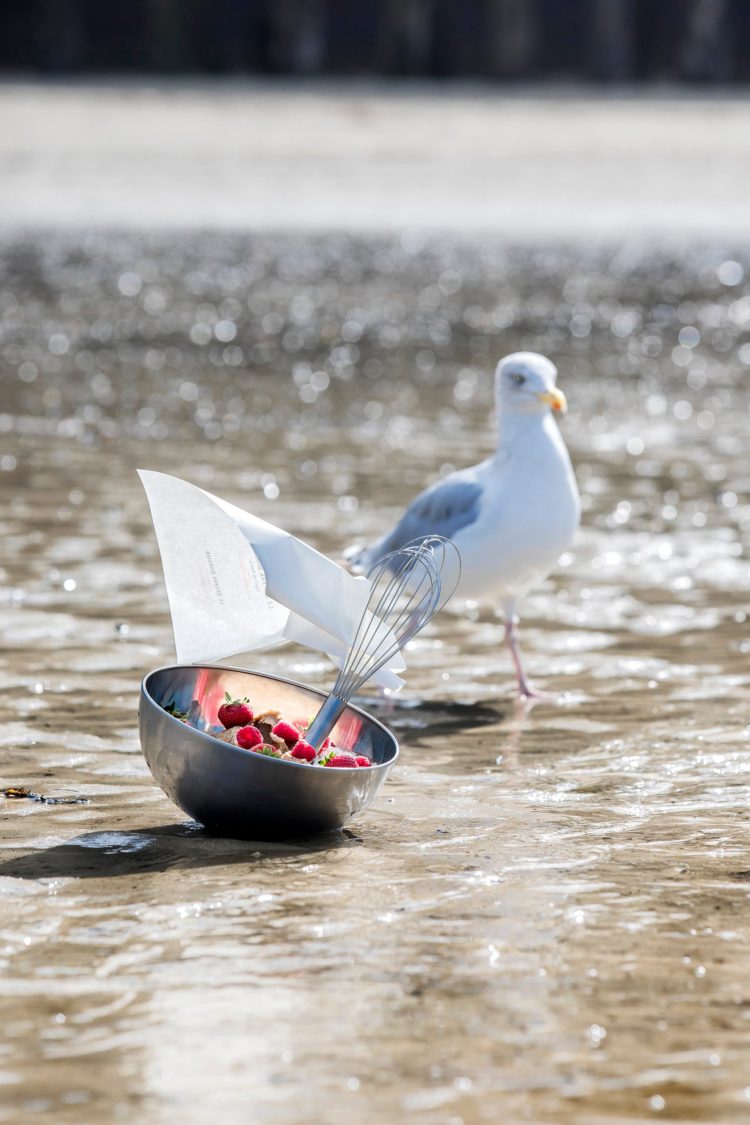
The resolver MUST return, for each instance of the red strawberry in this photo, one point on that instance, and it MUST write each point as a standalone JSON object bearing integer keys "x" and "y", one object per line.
{"x": 302, "y": 726}
{"x": 363, "y": 761}
{"x": 235, "y": 712}
{"x": 286, "y": 731}
{"x": 342, "y": 761}
{"x": 304, "y": 751}
{"x": 249, "y": 737}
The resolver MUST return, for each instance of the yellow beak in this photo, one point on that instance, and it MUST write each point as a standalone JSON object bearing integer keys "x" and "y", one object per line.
{"x": 556, "y": 399}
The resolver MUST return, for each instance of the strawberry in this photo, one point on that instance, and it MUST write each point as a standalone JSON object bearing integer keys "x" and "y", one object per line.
{"x": 269, "y": 751}
{"x": 235, "y": 712}
{"x": 249, "y": 737}
{"x": 286, "y": 731}
{"x": 303, "y": 725}
{"x": 340, "y": 760}
{"x": 363, "y": 761}
{"x": 304, "y": 751}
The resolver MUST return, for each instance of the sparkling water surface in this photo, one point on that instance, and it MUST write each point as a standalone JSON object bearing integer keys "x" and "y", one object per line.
{"x": 544, "y": 916}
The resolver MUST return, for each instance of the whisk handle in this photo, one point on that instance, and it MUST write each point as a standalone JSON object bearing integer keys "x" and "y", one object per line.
{"x": 325, "y": 721}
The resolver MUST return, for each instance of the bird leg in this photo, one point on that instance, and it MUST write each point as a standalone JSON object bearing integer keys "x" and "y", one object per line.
{"x": 526, "y": 690}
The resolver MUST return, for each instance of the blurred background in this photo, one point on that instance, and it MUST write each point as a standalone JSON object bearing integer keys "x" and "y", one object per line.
{"x": 606, "y": 40}
{"x": 278, "y": 249}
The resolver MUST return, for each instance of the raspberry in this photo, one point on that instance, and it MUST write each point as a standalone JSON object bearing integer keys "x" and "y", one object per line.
{"x": 363, "y": 761}
{"x": 304, "y": 751}
{"x": 235, "y": 712}
{"x": 286, "y": 731}
{"x": 342, "y": 761}
{"x": 249, "y": 737}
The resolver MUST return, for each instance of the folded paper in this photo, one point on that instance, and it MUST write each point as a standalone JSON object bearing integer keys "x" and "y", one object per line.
{"x": 236, "y": 583}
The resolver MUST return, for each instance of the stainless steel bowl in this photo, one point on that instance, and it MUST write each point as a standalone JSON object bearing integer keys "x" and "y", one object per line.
{"x": 236, "y": 792}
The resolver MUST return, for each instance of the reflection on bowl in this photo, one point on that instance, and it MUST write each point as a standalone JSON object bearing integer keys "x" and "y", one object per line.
{"x": 235, "y": 792}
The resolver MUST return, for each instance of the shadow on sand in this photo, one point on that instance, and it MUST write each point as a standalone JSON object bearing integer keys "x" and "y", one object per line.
{"x": 416, "y": 720}
{"x": 101, "y": 855}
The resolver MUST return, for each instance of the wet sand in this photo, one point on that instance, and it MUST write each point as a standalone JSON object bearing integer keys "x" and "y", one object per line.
{"x": 544, "y": 917}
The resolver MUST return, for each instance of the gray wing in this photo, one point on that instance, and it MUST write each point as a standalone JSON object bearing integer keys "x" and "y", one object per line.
{"x": 442, "y": 509}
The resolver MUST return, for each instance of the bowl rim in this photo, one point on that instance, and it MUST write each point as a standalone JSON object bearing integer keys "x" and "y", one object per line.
{"x": 279, "y": 679}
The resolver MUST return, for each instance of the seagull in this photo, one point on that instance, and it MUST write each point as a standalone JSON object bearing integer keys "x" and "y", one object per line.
{"x": 513, "y": 515}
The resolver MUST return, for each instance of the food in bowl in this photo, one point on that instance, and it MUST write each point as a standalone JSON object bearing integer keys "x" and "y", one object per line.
{"x": 273, "y": 735}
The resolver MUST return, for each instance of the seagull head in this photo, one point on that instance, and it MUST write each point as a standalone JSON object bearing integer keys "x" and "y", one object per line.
{"x": 525, "y": 383}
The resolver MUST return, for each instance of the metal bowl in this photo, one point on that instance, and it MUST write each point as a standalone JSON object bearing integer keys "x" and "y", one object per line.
{"x": 235, "y": 792}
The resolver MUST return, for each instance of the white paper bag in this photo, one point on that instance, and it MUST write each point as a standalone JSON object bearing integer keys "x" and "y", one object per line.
{"x": 237, "y": 584}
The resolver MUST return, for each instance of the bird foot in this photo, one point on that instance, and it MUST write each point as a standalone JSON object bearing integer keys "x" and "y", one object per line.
{"x": 528, "y": 694}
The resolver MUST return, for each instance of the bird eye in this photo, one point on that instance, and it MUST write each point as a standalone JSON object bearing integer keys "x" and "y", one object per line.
{"x": 517, "y": 378}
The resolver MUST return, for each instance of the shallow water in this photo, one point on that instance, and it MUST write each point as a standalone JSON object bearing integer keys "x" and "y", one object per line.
{"x": 545, "y": 916}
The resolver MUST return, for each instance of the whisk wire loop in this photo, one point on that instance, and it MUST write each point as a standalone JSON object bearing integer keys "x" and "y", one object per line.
{"x": 407, "y": 588}
{"x": 398, "y": 607}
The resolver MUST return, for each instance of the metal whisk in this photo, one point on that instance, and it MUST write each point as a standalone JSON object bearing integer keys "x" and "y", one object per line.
{"x": 407, "y": 588}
